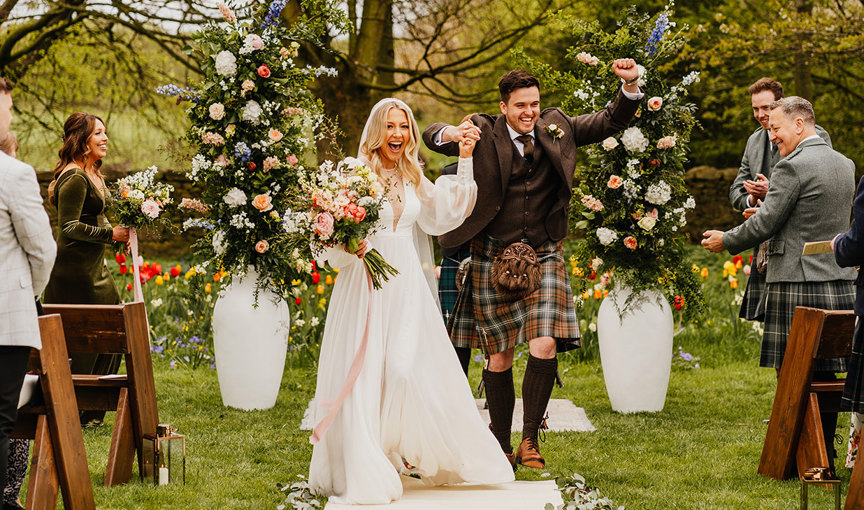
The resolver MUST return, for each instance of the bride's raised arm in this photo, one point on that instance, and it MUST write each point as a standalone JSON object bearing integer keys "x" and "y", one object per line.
{"x": 447, "y": 202}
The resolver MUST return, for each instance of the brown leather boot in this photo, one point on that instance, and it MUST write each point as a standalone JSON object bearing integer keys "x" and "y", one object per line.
{"x": 528, "y": 454}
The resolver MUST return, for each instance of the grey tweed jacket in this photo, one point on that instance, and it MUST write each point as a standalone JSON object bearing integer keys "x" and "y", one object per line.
{"x": 27, "y": 252}
{"x": 758, "y": 159}
{"x": 809, "y": 199}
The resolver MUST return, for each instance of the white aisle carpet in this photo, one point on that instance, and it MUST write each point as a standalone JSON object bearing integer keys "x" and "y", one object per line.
{"x": 519, "y": 495}
{"x": 563, "y": 416}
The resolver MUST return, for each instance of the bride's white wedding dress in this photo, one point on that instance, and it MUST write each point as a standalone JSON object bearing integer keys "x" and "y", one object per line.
{"x": 411, "y": 400}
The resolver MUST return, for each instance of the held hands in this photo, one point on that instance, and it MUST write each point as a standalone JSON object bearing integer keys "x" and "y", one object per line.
{"x": 758, "y": 188}
{"x": 713, "y": 241}
{"x": 361, "y": 250}
{"x": 120, "y": 234}
{"x": 466, "y": 148}
{"x": 626, "y": 69}
{"x": 464, "y": 131}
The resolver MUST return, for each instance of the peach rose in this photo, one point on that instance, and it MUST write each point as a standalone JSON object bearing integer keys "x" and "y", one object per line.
{"x": 360, "y": 215}
{"x": 262, "y": 202}
{"x": 275, "y": 135}
{"x": 262, "y": 246}
{"x": 264, "y": 71}
{"x": 292, "y": 160}
{"x": 615, "y": 182}
{"x": 655, "y": 103}
{"x": 217, "y": 111}
{"x": 667, "y": 142}
{"x": 270, "y": 163}
{"x": 630, "y": 242}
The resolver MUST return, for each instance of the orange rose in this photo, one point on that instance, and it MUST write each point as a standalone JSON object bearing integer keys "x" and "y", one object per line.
{"x": 262, "y": 202}
{"x": 630, "y": 242}
{"x": 262, "y": 246}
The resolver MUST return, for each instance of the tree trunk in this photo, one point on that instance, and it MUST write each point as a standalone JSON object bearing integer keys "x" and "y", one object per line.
{"x": 801, "y": 73}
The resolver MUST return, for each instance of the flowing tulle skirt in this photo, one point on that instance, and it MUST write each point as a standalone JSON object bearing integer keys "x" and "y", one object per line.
{"x": 411, "y": 400}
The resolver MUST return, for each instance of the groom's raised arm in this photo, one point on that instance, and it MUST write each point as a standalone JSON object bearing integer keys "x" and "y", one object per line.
{"x": 595, "y": 127}
{"x": 431, "y": 137}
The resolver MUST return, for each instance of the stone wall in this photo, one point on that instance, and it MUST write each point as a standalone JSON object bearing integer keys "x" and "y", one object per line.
{"x": 709, "y": 187}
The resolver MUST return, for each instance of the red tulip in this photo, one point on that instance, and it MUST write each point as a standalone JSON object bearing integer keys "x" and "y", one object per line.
{"x": 175, "y": 272}
{"x": 157, "y": 268}
{"x": 316, "y": 277}
{"x": 120, "y": 258}
{"x": 129, "y": 287}
{"x": 123, "y": 269}
{"x": 298, "y": 301}
{"x": 252, "y": 165}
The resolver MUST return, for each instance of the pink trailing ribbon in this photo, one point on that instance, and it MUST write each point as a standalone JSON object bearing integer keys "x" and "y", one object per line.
{"x": 353, "y": 372}
{"x": 136, "y": 262}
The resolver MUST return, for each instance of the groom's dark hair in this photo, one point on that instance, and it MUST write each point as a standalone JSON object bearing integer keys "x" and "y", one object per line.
{"x": 516, "y": 79}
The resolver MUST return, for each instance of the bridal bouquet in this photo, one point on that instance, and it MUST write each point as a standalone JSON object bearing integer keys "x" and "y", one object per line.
{"x": 140, "y": 201}
{"x": 344, "y": 202}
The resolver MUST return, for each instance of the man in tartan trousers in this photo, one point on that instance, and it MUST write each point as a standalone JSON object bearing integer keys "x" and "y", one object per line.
{"x": 751, "y": 184}
{"x": 810, "y": 199}
{"x": 524, "y": 164}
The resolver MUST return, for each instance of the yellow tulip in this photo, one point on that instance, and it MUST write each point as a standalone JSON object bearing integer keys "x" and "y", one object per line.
{"x": 605, "y": 293}
{"x": 733, "y": 283}
{"x": 704, "y": 272}
{"x": 159, "y": 280}
{"x": 320, "y": 289}
{"x": 190, "y": 273}
{"x": 336, "y": 270}
{"x": 598, "y": 294}
{"x": 295, "y": 283}
{"x": 207, "y": 288}
{"x": 695, "y": 268}
{"x": 328, "y": 280}
{"x": 166, "y": 277}
{"x": 586, "y": 295}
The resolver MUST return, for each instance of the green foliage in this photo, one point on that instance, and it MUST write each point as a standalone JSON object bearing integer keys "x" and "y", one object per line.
{"x": 630, "y": 200}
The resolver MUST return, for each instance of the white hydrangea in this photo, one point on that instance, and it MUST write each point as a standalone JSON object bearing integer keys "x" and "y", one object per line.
{"x": 634, "y": 140}
{"x": 226, "y": 63}
{"x": 606, "y": 236}
{"x": 659, "y": 193}
{"x": 251, "y": 112}
{"x": 219, "y": 242}
{"x": 689, "y": 203}
{"x": 235, "y": 197}
{"x": 631, "y": 189}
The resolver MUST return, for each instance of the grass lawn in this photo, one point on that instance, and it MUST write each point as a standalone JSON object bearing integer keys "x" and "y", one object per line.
{"x": 700, "y": 452}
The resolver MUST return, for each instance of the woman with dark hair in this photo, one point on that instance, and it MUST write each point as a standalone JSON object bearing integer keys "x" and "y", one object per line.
{"x": 80, "y": 275}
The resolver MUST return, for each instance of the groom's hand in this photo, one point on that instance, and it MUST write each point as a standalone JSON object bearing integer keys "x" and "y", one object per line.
{"x": 626, "y": 69}
{"x": 464, "y": 131}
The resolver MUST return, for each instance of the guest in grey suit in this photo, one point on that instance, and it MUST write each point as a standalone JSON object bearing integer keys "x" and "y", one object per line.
{"x": 27, "y": 252}
{"x": 810, "y": 199}
{"x": 751, "y": 183}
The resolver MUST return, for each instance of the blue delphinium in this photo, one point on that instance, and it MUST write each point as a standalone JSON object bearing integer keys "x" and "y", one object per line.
{"x": 660, "y": 27}
{"x": 185, "y": 94}
{"x": 273, "y": 13}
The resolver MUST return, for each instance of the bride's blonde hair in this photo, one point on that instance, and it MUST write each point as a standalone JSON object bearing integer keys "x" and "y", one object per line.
{"x": 376, "y": 135}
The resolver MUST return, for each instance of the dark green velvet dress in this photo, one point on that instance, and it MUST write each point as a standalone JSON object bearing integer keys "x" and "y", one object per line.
{"x": 80, "y": 275}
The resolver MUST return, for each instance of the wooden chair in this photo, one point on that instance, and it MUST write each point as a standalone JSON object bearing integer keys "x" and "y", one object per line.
{"x": 855, "y": 494}
{"x": 794, "y": 434}
{"x": 116, "y": 329}
{"x": 59, "y": 459}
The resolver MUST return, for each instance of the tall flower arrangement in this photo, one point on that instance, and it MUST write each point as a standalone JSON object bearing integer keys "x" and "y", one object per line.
{"x": 629, "y": 201}
{"x": 253, "y": 120}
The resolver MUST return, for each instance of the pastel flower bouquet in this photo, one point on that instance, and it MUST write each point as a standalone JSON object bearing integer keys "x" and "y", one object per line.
{"x": 629, "y": 200}
{"x": 253, "y": 123}
{"x": 140, "y": 202}
{"x": 343, "y": 206}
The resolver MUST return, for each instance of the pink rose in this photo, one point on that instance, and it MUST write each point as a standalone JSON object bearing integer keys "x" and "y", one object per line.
{"x": 255, "y": 41}
{"x": 630, "y": 242}
{"x": 652, "y": 213}
{"x": 222, "y": 161}
{"x": 275, "y": 135}
{"x": 655, "y": 103}
{"x": 324, "y": 225}
{"x": 667, "y": 142}
{"x": 615, "y": 182}
{"x": 270, "y": 163}
{"x": 361, "y": 214}
{"x": 262, "y": 202}
{"x": 292, "y": 160}
{"x": 262, "y": 246}
{"x": 151, "y": 209}
{"x": 217, "y": 111}
{"x": 212, "y": 138}
{"x": 264, "y": 71}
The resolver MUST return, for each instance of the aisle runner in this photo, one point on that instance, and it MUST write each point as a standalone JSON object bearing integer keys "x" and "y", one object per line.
{"x": 519, "y": 495}
{"x": 563, "y": 416}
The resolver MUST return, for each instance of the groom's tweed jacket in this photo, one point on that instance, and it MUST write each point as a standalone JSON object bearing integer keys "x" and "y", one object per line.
{"x": 493, "y": 162}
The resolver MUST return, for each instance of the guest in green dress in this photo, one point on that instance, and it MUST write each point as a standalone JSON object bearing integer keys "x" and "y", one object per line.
{"x": 80, "y": 275}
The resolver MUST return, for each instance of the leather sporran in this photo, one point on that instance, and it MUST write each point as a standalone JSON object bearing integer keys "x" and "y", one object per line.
{"x": 762, "y": 257}
{"x": 516, "y": 272}
{"x": 463, "y": 273}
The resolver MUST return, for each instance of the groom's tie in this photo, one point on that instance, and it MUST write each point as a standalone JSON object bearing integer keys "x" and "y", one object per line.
{"x": 527, "y": 146}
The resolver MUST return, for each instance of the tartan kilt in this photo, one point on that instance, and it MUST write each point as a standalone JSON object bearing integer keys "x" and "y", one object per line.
{"x": 484, "y": 320}
{"x": 447, "y": 292}
{"x": 753, "y": 305}
{"x": 853, "y": 393}
{"x": 780, "y": 302}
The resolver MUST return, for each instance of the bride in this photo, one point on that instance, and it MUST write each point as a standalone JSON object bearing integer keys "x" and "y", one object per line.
{"x": 411, "y": 405}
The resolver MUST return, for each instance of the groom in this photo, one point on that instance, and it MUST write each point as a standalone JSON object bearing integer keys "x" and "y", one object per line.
{"x": 523, "y": 165}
